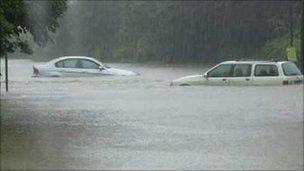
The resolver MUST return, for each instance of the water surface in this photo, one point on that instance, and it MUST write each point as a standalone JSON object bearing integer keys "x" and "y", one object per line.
{"x": 140, "y": 122}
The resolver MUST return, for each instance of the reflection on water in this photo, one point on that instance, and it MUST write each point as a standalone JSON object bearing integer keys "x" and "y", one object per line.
{"x": 140, "y": 122}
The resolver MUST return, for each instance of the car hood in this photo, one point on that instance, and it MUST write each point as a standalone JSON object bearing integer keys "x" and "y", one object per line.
{"x": 186, "y": 79}
{"x": 122, "y": 72}
{"x": 190, "y": 77}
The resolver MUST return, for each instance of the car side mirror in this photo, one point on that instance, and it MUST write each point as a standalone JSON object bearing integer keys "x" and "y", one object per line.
{"x": 100, "y": 68}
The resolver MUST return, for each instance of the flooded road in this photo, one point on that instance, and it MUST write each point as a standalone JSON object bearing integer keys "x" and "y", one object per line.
{"x": 140, "y": 122}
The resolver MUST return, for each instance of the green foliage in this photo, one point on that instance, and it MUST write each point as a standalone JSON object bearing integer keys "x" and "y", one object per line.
{"x": 89, "y": 28}
{"x": 176, "y": 31}
{"x": 20, "y": 17}
{"x": 276, "y": 48}
{"x": 193, "y": 31}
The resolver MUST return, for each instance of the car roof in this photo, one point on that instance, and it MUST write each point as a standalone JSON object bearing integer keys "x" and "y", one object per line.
{"x": 253, "y": 62}
{"x": 71, "y": 57}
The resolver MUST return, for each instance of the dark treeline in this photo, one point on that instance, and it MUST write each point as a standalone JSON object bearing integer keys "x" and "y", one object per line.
{"x": 177, "y": 31}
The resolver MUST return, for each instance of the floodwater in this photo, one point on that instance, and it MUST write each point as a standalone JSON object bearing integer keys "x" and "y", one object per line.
{"x": 140, "y": 122}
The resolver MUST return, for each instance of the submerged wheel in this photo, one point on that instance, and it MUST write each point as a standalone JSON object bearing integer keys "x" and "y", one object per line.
{"x": 184, "y": 84}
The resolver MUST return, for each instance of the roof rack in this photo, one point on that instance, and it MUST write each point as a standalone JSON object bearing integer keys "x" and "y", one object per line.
{"x": 271, "y": 59}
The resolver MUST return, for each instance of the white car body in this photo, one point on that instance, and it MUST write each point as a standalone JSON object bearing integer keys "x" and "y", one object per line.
{"x": 256, "y": 73}
{"x": 76, "y": 66}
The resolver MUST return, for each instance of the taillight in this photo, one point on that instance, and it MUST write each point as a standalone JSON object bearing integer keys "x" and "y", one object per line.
{"x": 35, "y": 71}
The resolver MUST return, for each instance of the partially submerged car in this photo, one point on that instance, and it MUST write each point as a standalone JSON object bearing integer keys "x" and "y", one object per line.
{"x": 76, "y": 66}
{"x": 246, "y": 73}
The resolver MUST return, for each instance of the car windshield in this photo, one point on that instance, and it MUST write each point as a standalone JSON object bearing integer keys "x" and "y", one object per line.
{"x": 290, "y": 68}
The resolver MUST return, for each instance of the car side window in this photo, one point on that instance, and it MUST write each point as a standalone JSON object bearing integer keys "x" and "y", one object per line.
{"x": 266, "y": 70}
{"x": 224, "y": 70}
{"x": 87, "y": 64}
{"x": 290, "y": 68}
{"x": 59, "y": 64}
{"x": 242, "y": 70}
{"x": 70, "y": 63}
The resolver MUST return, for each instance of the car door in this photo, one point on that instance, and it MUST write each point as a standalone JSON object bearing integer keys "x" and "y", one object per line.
{"x": 68, "y": 67}
{"x": 241, "y": 75}
{"x": 220, "y": 75}
{"x": 266, "y": 74}
{"x": 89, "y": 67}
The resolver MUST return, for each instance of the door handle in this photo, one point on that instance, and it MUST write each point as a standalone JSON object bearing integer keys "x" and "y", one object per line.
{"x": 247, "y": 79}
{"x": 224, "y": 79}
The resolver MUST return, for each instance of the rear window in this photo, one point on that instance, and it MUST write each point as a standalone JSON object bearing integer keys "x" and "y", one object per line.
{"x": 266, "y": 70}
{"x": 290, "y": 68}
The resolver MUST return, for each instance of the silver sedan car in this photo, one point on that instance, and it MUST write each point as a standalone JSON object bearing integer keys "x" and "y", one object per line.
{"x": 76, "y": 66}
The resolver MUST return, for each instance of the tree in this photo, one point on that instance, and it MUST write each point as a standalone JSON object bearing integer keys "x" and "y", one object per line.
{"x": 39, "y": 18}
{"x": 176, "y": 31}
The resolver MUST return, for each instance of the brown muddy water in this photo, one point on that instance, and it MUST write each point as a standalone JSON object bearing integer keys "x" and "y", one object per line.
{"x": 140, "y": 122}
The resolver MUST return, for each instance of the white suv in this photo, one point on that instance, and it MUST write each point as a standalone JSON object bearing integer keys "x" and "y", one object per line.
{"x": 246, "y": 73}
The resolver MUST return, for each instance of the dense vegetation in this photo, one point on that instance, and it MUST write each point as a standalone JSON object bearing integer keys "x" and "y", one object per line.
{"x": 17, "y": 18}
{"x": 177, "y": 31}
